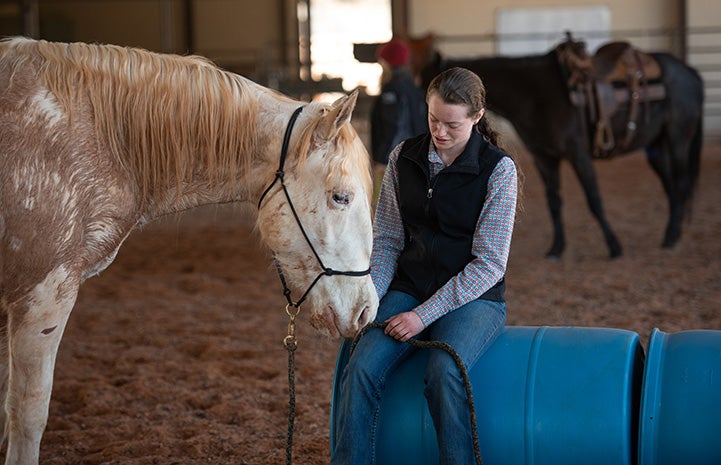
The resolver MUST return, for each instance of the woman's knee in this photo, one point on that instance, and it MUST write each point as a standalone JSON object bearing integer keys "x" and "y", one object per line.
{"x": 369, "y": 365}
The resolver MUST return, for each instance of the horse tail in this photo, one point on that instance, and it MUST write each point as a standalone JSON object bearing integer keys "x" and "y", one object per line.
{"x": 694, "y": 166}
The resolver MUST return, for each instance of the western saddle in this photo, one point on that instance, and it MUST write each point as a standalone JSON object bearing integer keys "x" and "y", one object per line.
{"x": 618, "y": 76}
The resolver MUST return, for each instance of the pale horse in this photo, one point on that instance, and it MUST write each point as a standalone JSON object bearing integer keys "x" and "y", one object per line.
{"x": 96, "y": 140}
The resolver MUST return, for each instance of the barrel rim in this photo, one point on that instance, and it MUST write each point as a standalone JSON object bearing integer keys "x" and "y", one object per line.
{"x": 651, "y": 389}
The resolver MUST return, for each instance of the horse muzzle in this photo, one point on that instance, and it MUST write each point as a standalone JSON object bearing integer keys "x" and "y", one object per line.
{"x": 346, "y": 311}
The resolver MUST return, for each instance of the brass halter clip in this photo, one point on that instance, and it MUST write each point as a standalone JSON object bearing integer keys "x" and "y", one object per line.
{"x": 290, "y": 342}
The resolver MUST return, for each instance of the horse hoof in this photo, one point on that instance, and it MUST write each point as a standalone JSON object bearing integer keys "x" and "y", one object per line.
{"x": 669, "y": 243}
{"x": 614, "y": 248}
{"x": 615, "y": 251}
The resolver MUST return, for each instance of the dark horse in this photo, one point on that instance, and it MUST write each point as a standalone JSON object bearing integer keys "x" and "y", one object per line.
{"x": 532, "y": 94}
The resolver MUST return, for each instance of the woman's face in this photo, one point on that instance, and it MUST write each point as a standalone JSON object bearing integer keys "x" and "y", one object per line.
{"x": 450, "y": 124}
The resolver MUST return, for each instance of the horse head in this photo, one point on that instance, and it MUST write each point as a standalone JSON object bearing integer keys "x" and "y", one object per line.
{"x": 320, "y": 229}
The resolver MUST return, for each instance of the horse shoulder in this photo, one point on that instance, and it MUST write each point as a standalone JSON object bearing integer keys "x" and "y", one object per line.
{"x": 62, "y": 199}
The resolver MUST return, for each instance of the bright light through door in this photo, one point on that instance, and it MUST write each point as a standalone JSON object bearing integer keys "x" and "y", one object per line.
{"x": 335, "y": 25}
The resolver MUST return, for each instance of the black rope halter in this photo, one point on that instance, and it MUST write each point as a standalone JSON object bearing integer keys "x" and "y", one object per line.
{"x": 290, "y": 340}
{"x": 279, "y": 176}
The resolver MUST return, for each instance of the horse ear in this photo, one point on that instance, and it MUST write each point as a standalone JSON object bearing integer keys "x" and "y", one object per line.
{"x": 339, "y": 114}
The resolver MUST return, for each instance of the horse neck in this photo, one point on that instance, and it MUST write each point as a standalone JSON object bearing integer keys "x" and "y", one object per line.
{"x": 527, "y": 91}
{"x": 252, "y": 176}
{"x": 514, "y": 84}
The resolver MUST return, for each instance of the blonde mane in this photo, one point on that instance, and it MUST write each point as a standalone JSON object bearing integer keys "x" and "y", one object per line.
{"x": 346, "y": 161}
{"x": 163, "y": 117}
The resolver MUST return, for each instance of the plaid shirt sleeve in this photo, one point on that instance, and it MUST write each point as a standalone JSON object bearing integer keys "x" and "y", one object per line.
{"x": 491, "y": 247}
{"x": 388, "y": 234}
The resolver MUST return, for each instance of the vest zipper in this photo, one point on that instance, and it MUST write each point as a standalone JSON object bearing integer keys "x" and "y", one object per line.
{"x": 429, "y": 195}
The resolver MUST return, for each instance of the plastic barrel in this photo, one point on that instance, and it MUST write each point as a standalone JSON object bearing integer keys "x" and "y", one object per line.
{"x": 680, "y": 419}
{"x": 543, "y": 396}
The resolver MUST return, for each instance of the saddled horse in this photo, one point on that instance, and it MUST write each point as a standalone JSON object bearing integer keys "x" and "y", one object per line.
{"x": 97, "y": 140}
{"x": 532, "y": 93}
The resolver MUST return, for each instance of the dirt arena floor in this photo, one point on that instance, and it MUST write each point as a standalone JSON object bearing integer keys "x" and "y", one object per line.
{"x": 174, "y": 354}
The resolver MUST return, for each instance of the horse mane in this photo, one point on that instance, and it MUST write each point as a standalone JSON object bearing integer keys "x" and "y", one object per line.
{"x": 163, "y": 117}
{"x": 355, "y": 160}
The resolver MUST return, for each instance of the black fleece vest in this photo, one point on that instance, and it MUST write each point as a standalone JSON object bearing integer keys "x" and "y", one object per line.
{"x": 440, "y": 215}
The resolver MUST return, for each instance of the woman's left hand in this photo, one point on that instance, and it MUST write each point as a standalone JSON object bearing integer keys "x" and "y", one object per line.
{"x": 404, "y": 326}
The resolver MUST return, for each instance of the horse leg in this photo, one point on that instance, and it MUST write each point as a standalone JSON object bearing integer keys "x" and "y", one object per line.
{"x": 673, "y": 179}
{"x": 583, "y": 167}
{"x": 36, "y": 322}
{"x": 548, "y": 167}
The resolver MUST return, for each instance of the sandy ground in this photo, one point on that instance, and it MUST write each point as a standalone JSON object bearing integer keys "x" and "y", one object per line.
{"x": 174, "y": 354}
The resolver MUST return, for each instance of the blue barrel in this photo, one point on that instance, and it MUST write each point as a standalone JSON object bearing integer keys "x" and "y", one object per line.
{"x": 543, "y": 396}
{"x": 680, "y": 418}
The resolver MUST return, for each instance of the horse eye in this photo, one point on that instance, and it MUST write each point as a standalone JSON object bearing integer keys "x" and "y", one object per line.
{"x": 342, "y": 198}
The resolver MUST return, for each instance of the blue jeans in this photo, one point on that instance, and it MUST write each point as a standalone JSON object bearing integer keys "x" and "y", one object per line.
{"x": 469, "y": 329}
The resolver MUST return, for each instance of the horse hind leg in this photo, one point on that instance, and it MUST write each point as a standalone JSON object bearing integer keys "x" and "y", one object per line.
{"x": 658, "y": 157}
{"x": 35, "y": 326}
{"x": 676, "y": 165}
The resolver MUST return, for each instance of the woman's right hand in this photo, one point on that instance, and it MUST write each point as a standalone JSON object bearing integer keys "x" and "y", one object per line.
{"x": 404, "y": 326}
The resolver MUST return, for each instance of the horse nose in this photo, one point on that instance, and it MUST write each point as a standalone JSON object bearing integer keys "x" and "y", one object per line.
{"x": 365, "y": 317}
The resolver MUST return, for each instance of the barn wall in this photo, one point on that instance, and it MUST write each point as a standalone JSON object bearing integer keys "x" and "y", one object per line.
{"x": 134, "y": 23}
{"x": 238, "y": 34}
{"x": 450, "y": 19}
{"x": 704, "y": 53}
{"x": 479, "y": 17}
{"x": 232, "y": 31}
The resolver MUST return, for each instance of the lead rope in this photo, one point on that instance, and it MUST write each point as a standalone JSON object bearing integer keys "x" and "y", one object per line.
{"x": 461, "y": 367}
{"x": 291, "y": 344}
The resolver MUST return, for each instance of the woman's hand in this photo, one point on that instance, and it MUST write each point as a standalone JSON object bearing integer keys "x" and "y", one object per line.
{"x": 404, "y": 326}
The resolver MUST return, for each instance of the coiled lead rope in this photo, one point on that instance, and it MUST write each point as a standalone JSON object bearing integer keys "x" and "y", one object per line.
{"x": 461, "y": 367}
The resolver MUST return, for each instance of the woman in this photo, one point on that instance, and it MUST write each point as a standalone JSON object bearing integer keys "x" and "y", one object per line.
{"x": 442, "y": 236}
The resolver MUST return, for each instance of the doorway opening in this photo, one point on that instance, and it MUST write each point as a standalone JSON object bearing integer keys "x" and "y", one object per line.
{"x": 334, "y": 26}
